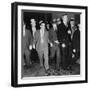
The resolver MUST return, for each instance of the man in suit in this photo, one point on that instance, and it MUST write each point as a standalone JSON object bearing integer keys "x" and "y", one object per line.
{"x": 33, "y": 29}
{"x": 76, "y": 44}
{"x": 54, "y": 49}
{"x": 64, "y": 40}
{"x": 74, "y": 47}
{"x": 41, "y": 42}
{"x": 26, "y": 43}
{"x": 75, "y": 37}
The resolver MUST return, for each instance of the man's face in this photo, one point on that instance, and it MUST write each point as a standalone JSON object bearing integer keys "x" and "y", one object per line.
{"x": 33, "y": 22}
{"x": 58, "y": 21}
{"x": 54, "y": 25}
{"x": 65, "y": 18}
{"x": 48, "y": 26}
{"x": 72, "y": 23}
{"x": 54, "y": 20}
{"x": 42, "y": 26}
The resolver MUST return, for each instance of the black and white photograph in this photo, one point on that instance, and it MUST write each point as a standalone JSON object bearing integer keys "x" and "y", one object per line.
{"x": 50, "y": 44}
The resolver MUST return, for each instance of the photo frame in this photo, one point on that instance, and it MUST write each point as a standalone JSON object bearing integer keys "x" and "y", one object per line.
{"x": 21, "y": 11}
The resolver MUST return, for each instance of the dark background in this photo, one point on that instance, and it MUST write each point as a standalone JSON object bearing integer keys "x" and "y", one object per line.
{"x": 47, "y": 16}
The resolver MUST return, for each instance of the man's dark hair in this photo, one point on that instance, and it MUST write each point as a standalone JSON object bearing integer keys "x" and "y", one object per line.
{"x": 64, "y": 15}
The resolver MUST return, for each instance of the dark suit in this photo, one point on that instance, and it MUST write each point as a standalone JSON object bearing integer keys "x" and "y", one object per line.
{"x": 64, "y": 40}
{"x": 76, "y": 40}
{"x": 34, "y": 55}
{"x": 76, "y": 44}
{"x": 27, "y": 40}
{"x": 62, "y": 34}
{"x": 42, "y": 48}
{"x": 55, "y": 48}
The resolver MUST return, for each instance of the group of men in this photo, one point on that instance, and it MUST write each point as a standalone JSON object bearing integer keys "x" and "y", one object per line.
{"x": 61, "y": 42}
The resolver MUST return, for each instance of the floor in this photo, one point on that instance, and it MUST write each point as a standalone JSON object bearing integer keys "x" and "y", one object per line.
{"x": 35, "y": 70}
